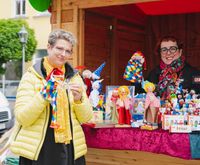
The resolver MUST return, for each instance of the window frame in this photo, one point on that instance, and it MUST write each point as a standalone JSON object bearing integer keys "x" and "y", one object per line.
{"x": 22, "y": 10}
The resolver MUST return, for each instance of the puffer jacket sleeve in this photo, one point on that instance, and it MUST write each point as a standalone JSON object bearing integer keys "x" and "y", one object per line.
{"x": 82, "y": 110}
{"x": 29, "y": 102}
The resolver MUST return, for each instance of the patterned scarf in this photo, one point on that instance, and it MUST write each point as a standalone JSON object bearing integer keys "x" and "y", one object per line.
{"x": 60, "y": 106}
{"x": 169, "y": 76}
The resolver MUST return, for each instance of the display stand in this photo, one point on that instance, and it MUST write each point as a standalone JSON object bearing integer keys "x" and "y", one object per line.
{"x": 132, "y": 145}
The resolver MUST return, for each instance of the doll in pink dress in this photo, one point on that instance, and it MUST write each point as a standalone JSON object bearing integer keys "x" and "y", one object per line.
{"x": 123, "y": 104}
{"x": 152, "y": 104}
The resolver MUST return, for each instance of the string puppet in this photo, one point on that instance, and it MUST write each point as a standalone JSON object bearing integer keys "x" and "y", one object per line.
{"x": 134, "y": 68}
{"x": 87, "y": 78}
{"x": 152, "y": 104}
{"x": 111, "y": 108}
{"x": 55, "y": 80}
{"x": 123, "y": 104}
{"x": 94, "y": 95}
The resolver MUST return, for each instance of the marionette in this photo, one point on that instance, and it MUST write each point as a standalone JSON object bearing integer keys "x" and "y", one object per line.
{"x": 113, "y": 108}
{"x": 123, "y": 104}
{"x": 96, "y": 75}
{"x": 94, "y": 95}
{"x": 134, "y": 70}
{"x": 87, "y": 76}
{"x": 152, "y": 105}
{"x": 97, "y": 72}
{"x": 55, "y": 82}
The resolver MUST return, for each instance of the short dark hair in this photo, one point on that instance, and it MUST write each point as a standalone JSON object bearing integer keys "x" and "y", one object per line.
{"x": 167, "y": 38}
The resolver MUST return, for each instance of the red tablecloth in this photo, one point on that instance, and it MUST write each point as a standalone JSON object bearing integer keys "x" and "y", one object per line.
{"x": 157, "y": 141}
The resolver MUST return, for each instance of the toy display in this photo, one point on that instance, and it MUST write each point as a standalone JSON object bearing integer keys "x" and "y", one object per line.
{"x": 194, "y": 122}
{"x": 112, "y": 98}
{"x": 178, "y": 113}
{"x": 169, "y": 120}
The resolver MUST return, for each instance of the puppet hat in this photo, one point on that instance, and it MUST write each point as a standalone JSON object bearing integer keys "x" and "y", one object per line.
{"x": 98, "y": 71}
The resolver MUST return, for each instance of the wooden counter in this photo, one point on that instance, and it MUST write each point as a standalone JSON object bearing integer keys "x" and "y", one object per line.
{"x": 127, "y": 157}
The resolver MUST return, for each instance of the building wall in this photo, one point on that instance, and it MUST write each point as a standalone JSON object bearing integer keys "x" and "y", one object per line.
{"x": 40, "y": 22}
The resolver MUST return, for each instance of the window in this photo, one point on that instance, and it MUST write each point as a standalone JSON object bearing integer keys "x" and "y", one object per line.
{"x": 20, "y": 7}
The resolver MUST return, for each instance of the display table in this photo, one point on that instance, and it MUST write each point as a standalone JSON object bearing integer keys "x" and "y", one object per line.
{"x": 157, "y": 141}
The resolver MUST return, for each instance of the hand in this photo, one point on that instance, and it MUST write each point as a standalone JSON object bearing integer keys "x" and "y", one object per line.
{"x": 76, "y": 91}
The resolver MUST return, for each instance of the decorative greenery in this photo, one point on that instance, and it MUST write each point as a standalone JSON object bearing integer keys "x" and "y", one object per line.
{"x": 10, "y": 45}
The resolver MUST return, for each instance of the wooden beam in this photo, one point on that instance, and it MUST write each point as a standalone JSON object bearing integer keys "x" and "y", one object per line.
{"x": 101, "y": 3}
{"x": 58, "y": 13}
{"x": 81, "y": 35}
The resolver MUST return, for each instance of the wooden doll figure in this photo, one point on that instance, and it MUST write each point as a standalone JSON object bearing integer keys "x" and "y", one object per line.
{"x": 152, "y": 104}
{"x": 113, "y": 99}
{"x": 87, "y": 78}
{"x": 94, "y": 95}
{"x": 123, "y": 105}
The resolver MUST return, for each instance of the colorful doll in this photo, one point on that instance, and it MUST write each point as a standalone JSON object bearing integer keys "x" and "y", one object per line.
{"x": 133, "y": 71}
{"x": 87, "y": 76}
{"x": 94, "y": 95}
{"x": 113, "y": 99}
{"x": 123, "y": 104}
{"x": 152, "y": 104}
{"x": 55, "y": 81}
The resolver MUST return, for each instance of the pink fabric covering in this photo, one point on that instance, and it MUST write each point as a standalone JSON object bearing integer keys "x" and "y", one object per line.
{"x": 158, "y": 141}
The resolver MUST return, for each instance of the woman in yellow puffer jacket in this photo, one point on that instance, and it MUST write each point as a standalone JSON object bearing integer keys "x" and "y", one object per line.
{"x": 51, "y": 104}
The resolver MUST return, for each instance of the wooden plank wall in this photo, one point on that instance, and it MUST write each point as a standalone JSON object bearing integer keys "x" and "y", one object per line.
{"x": 98, "y": 43}
{"x": 112, "y": 35}
{"x": 67, "y": 17}
{"x": 183, "y": 26}
{"x": 127, "y": 157}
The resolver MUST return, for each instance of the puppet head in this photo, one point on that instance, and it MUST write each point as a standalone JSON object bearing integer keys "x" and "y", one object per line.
{"x": 87, "y": 74}
{"x": 123, "y": 92}
{"x": 148, "y": 86}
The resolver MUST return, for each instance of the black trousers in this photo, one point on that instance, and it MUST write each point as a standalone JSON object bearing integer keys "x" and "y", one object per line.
{"x": 25, "y": 161}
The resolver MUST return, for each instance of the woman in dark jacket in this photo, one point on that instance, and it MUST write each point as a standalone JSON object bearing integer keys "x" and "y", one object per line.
{"x": 173, "y": 71}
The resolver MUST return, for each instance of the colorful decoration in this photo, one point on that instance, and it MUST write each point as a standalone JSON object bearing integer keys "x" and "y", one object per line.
{"x": 133, "y": 71}
{"x": 49, "y": 92}
{"x": 40, "y": 5}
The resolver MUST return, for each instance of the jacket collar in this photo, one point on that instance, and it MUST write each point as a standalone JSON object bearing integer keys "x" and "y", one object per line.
{"x": 69, "y": 70}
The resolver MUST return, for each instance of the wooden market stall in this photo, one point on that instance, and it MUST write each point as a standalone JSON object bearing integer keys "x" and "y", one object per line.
{"x": 111, "y": 30}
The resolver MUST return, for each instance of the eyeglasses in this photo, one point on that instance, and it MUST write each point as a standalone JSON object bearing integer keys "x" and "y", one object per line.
{"x": 61, "y": 50}
{"x": 172, "y": 49}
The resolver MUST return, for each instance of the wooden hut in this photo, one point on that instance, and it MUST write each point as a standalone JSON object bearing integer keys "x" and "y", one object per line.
{"x": 111, "y": 30}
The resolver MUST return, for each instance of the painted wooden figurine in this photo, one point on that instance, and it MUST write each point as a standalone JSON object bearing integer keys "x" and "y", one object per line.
{"x": 123, "y": 105}
{"x": 152, "y": 104}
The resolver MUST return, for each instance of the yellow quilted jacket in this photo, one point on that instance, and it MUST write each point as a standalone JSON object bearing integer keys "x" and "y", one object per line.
{"x": 32, "y": 114}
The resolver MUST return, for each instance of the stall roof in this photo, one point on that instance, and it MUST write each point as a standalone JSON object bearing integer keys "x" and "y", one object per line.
{"x": 164, "y": 7}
